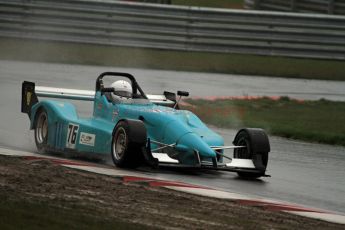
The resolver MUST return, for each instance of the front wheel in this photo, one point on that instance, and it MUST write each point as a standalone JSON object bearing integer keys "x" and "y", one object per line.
{"x": 128, "y": 144}
{"x": 256, "y": 148}
{"x": 41, "y": 130}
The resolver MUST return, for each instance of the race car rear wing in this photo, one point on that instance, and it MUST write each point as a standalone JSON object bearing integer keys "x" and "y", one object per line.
{"x": 30, "y": 94}
{"x": 29, "y": 97}
{"x": 73, "y": 94}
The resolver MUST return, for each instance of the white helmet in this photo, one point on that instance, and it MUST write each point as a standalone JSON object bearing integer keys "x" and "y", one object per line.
{"x": 122, "y": 89}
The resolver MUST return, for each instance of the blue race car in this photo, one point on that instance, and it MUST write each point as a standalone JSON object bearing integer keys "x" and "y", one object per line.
{"x": 136, "y": 129}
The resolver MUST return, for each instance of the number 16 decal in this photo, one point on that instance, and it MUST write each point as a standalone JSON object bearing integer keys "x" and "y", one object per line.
{"x": 72, "y": 135}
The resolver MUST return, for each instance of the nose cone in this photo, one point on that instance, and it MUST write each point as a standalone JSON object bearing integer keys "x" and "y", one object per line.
{"x": 195, "y": 143}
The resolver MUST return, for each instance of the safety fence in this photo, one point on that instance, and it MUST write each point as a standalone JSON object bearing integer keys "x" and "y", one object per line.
{"x": 175, "y": 27}
{"x": 305, "y": 6}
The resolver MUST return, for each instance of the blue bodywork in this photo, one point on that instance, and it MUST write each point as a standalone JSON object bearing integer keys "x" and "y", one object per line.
{"x": 94, "y": 135}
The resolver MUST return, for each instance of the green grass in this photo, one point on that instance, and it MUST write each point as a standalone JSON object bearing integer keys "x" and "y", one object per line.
{"x": 60, "y": 52}
{"x": 43, "y": 215}
{"x": 317, "y": 121}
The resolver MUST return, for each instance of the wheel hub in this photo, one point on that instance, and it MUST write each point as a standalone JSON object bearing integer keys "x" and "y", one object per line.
{"x": 42, "y": 128}
{"x": 120, "y": 143}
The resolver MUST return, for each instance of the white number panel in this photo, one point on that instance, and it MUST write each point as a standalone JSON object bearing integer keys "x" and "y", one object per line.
{"x": 72, "y": 134}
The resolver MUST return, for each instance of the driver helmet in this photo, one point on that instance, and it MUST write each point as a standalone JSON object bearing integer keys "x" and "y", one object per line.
{"x": 122, "y": 89}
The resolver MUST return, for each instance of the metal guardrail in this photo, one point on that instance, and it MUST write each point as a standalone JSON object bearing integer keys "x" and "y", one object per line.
{"x": 150, "y": 1}
{"x": 175, "y": 28}
{"x": 304, "y": 6}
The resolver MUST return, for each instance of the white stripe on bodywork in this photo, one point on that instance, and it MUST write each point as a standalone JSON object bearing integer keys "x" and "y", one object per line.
{"x": 241, "y": 163}
{"x": 164, "y": 158}
{"x": 227, "y": 147}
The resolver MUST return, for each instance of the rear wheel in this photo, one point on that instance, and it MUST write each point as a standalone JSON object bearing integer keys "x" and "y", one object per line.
{"x": 256, "y": 148}
{"x": 41, "y": 130}
{"x": 128, "y": 144}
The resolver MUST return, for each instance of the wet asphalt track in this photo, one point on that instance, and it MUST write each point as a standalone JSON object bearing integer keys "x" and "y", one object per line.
{"x": 303, "y": 173}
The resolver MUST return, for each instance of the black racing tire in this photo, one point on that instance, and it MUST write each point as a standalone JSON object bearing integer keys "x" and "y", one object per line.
{"x": 128, "y": 144}
{"x": 257, "y": 148}
{"x": 41, "y": 130}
